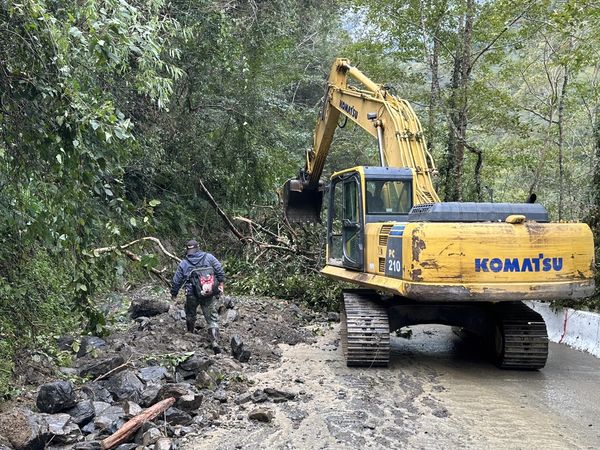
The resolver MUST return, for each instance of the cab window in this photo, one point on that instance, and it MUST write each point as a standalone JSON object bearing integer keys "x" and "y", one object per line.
{"x": 388, "y": 196}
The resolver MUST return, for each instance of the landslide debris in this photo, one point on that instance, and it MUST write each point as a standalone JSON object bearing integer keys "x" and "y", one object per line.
{"x": 148, "y": 357}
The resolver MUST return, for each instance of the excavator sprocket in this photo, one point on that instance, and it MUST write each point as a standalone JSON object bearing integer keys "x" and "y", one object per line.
{"x": 521, "y": 339}
{"x": 365, "y": 330}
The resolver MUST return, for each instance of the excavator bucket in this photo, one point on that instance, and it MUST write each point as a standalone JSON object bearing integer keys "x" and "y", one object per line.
{"x": 301, "y": 204}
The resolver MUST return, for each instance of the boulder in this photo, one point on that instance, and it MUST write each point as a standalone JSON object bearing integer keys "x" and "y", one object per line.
{"x": 148, "y": 307}
{"x": 56, "y": 397}
{"x": 100, "y": 407}
{"x": 89, "y": 428}
{"x": 175, "y": 416}
{"x": 149, "y": 395}
{"x": 279, "y": 396}
{"x": 24, "y": 429}
{"x": 231, "y": 316}
{"x": 243, "y": 398}
{"x": 228, "y": 302}
{"x": 65, "y": 343}
{"x": 125, "y": 386}
{"x": 152, "y": 373}
{"x": 259, "y": 396}
{"x": 238, "y": 351}
{"x": 96, "y": 392}
{"x": 220, "y": 395}
{"x": 88, "y": 344}
{"x": 82, "y": 412}
{"x": 173, "y": 390}
{"x": 333, "y": 316}
{"x": 261, "y": 415}
{"x": 205, "y": 381}
{"x": 163, "y": 443}
{"x": 189, "y": 402}
{"x": 110, "y": 419}
{"x": 190, "y": 367}
{"x": 151, "y": 436}
{"x": 96, "y": 368}
{"x": 146, "y": 426}
{"x": 131, "y": 409}
{"x": 62, "y": 429}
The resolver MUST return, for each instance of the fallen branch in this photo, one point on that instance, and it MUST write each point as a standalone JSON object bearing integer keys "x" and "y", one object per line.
{"x": 154, "y": 270}
{"x": 99, "y": 251}
{"x": 258, "y": 226}
{"x": 132, "y": 425}
{"x": 159, "y": 273}
{"x": 221, "y": 213}
{"x": 110, "y": 372}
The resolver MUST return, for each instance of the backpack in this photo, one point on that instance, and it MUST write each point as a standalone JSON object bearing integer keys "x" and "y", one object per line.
{"x": 203, "y": 281}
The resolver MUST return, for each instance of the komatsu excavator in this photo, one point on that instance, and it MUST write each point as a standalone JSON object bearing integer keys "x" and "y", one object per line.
{"x": 419, "y": 260}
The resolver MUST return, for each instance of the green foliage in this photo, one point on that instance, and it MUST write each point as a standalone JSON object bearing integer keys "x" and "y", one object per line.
{"x": 283, "y": 280}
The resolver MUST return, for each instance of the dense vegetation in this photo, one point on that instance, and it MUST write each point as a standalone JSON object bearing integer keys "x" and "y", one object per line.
{"x": 113, "y": 113}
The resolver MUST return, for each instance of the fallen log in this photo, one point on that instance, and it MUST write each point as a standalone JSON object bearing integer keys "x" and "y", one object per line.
{"x": 132, "y": 425}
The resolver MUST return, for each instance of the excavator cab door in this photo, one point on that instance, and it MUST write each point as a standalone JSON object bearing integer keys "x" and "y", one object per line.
{"x": 345, "y": 223}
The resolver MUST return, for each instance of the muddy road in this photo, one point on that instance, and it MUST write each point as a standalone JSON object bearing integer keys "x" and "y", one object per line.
{"x": 440, "y": 392}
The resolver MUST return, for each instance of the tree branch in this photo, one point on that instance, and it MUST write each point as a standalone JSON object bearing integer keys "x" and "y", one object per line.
{"x": 221, "y": 213}
{"x": 499, "y": 35}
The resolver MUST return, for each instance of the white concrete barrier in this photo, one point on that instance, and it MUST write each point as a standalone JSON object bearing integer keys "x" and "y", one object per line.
{"x": 577, "y": 329}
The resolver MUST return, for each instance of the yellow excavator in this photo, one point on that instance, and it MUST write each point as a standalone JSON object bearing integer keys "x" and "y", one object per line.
{"x": 419, "y": 260}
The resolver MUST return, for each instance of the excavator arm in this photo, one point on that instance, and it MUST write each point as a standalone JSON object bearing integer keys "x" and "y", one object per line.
{"x": 390, "y": 120}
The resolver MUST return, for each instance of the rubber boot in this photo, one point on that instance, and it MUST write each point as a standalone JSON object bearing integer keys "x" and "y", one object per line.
{"x": 213, "y": 336}
{"x": 190, "y": 324}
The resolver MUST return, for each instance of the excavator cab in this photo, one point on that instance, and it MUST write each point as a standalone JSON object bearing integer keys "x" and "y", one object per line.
{"x": 358, "y": 197}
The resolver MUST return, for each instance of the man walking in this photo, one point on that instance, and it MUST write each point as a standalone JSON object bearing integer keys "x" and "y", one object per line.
{"x": 195, "y": 262}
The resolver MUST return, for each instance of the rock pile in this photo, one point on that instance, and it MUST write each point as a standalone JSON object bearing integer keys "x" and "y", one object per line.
{"x": 133, "y": 370}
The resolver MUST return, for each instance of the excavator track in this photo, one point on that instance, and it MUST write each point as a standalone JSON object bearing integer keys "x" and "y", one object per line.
{"x": 365, "y": 330}
{"x": 521, "y": 339}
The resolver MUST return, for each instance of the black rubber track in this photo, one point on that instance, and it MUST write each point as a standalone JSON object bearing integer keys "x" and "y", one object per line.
{"x": 521, "y": 339}
{"x": 365, "y": 330}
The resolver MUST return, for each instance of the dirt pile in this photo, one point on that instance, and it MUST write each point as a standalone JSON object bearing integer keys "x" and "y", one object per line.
{"x": 149, "y": 357}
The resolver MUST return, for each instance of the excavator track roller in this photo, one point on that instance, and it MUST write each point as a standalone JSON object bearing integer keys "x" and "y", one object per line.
{"x": 520, "y": 338}
{"x": 365, "y": 330}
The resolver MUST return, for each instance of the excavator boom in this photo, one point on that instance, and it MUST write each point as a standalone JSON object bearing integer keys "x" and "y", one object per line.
{"x": 389, "y": 119}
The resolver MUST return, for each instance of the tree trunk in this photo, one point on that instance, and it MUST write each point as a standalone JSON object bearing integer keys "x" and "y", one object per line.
{"x": 449, "y": 169}
{"x": 435, "y": 88}
{"x": 561, "y": 169}
{"x": 459, "y": 112}
{"x": 130, "y": 427}
{"x": 594, "y": 216}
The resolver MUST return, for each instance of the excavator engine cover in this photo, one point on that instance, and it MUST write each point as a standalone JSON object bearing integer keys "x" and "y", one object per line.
{"x": 302, "y": 204}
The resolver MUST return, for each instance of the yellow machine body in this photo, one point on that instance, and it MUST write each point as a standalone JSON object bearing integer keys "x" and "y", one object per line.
{"x": 490, "y": 259}
{"x": 481, "y": 261}
{"x": 466, "y": 265}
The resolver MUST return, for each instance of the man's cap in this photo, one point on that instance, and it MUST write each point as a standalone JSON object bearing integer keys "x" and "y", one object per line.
{"x": 191, "y": 247}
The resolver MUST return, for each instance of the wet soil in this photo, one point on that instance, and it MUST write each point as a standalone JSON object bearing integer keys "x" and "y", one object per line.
{"x": 440, "y": 391}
